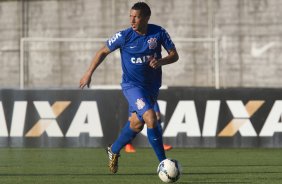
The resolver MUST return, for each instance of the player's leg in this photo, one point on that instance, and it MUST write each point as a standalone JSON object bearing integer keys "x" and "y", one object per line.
{"x": 158, "y": 114}
{"x": 129, "y": 148}
{"x": 154, "y": 134}
{"x": 129, "y": 132}
{"x": 126, "y": 135}
{"x": 143, "y": 103}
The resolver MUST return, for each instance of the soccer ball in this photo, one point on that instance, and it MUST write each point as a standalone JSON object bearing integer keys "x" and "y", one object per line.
{"x": 169, "y": 170}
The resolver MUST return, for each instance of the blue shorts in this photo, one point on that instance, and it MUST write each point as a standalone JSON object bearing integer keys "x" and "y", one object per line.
{"x": 139, "y": 100}
{"x": 156, "y": 109}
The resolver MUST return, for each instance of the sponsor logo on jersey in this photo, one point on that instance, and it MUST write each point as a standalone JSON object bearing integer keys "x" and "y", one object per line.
{"x": 114, "y": 38}
{"x": 143, "y": 59}
{"x": 139, "y": 60}
{"x": 152, "y": 43}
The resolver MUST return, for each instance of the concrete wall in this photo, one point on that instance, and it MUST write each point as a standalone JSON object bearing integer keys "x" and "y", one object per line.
{"x": 250, "y": 33}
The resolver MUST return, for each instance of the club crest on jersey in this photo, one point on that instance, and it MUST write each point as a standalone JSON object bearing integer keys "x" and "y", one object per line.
{"x": 140, "y": 103}
{"x": 152, "y": 43}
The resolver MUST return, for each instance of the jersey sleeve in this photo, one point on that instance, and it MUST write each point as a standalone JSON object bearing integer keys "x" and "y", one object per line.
{"x": 166, "y": 40}
{"x": 116, "y": 41}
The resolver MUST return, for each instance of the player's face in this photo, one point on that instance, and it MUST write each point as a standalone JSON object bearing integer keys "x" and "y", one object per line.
{"x": 137, "y": 21}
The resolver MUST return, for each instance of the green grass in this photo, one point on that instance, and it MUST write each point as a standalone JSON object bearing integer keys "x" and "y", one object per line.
{"x": 80, "y": 165}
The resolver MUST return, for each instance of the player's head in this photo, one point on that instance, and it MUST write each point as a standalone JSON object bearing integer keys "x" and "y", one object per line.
{"x": 139, "y": 16}
{"x": 143, "y": 8}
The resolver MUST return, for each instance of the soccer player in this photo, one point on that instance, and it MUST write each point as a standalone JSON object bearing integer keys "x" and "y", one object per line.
{"x": 129, "y": 148}
{"x": 141, "y": 60}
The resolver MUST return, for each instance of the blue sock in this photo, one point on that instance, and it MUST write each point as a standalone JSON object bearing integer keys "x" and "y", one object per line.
{"x": 126, "y": 135}
{"x": 156, "y": 141}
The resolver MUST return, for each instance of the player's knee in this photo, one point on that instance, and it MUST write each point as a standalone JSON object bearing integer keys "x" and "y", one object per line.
{"x": 138, "y": 127}
{"x": 135, "y": 124}
{"x": 150, "y": 118}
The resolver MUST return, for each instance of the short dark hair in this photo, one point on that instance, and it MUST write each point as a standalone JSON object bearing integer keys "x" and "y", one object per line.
{"x": 143, "y": 7}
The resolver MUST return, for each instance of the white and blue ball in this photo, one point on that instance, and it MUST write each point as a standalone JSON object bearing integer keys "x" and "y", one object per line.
{"x": 169, "y": 170}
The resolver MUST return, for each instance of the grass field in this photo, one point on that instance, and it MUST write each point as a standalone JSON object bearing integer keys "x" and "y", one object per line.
{"x": 80, "y": 165}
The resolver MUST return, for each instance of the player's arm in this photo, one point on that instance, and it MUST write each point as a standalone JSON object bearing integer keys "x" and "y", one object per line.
{"x": 170, "y": 58}
{"x": 96, "y": 61}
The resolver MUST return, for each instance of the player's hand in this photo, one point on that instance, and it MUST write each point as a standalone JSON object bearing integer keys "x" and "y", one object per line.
{"x": 85, "y": 81}
{"x": 154, "y": 63}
